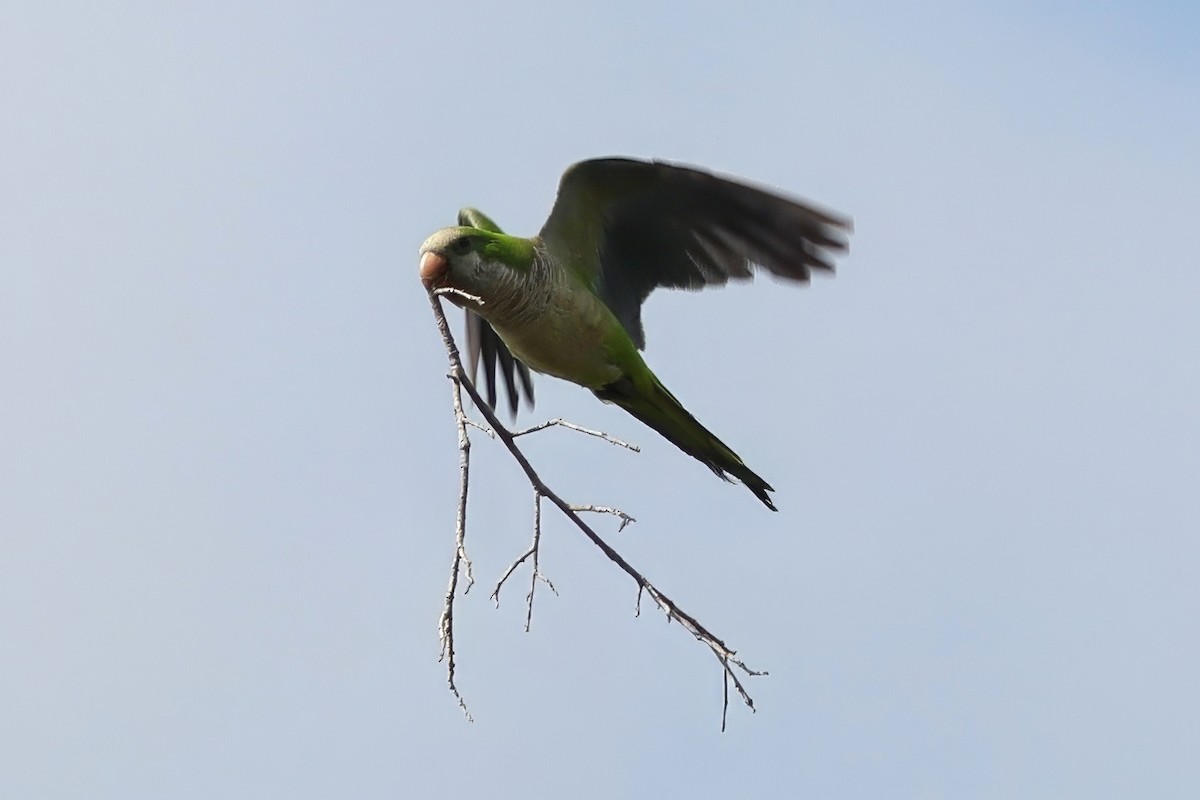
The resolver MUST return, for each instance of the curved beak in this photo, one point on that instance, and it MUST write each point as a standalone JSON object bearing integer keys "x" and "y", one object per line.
{"x": 433, "y": 269}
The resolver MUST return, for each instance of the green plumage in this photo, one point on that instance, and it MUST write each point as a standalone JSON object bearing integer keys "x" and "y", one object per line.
{"x": 647, "y": 399}
{"x": 568, "y": 301}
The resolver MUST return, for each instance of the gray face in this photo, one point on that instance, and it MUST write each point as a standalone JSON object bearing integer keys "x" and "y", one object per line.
{"x": 450, "y": 258}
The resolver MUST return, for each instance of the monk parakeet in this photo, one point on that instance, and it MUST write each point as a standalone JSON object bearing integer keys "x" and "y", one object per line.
{"x": 568, "y": 301}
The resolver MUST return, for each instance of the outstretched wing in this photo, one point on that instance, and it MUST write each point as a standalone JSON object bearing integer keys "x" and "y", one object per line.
{"x": 483, "y": 341}
{"x": 627, "y": 227}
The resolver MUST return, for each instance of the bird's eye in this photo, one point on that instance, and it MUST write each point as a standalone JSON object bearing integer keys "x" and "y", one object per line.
{"x": 460, "y": 245}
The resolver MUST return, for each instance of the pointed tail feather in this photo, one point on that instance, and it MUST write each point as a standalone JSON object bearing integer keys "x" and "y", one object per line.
{"x": 650, "y": 402}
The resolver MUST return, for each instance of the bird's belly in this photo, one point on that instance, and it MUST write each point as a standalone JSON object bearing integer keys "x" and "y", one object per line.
{"x": 565, "y": 346}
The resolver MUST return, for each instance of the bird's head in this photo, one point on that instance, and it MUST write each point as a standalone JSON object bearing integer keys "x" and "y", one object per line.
{"x": 478, "y": 262}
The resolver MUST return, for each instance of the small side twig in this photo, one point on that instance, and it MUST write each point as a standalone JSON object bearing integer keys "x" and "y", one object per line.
{"x": 616, "y": 512}
{"x": 533, "y": 553}
{"x": 562, "y": 423}
{"x": 448, "y": 290}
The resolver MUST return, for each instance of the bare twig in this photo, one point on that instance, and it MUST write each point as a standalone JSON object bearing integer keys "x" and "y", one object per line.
{"x": 446, "y": 290}
{"x": 491, "y": 434}
{"x": 616, "y": 512}
{"x": 461, "y": 561}
{"x": 533, "y": 553}
{"x": 564, "y": 424}
{"x": 495, "y": 595}
{"x": 731, "y": 665}
{"x": 724, "y": 697}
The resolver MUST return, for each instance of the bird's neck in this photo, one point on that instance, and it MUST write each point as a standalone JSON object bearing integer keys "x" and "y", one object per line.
{"x": 520, "y": 296}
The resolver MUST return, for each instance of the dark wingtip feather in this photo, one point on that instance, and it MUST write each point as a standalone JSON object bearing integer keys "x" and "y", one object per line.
{"x": 484, "y": 345}
{"x": 507, "y": 370}
{"x": 474, "y": 337}
{"x": 488, "y": 348}
{"x": 757, "y": 485}
{"x": 760, "y": 491}
{"x": 526, "y": 382}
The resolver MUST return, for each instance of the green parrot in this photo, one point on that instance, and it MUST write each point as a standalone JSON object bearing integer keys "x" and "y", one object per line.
{"x": 568, "y": 301}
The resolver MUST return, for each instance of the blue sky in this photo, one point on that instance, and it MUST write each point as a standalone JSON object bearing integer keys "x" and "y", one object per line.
{"x": 229, "y": 465}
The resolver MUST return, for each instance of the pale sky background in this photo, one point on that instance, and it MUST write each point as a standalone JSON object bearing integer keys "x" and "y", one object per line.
{"x": 228, "y": 464}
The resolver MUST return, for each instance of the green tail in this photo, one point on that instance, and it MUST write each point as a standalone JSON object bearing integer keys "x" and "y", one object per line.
{"x": 651, "y": 403}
